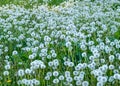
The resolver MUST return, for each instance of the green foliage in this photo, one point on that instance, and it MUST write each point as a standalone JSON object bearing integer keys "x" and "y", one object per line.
{"x": 29, "y": 4}
{"x": 55, "y": 2}
{"x": 115, "y": 6}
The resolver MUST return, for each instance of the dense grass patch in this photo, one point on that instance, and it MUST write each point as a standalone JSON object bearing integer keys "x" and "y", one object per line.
{"x": 30, "y": 3}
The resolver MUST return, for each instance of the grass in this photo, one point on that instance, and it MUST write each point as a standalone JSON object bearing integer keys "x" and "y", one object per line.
{"x": 28, "y": 4}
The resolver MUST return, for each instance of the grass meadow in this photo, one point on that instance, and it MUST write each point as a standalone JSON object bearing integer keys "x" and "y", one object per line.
{"x": 59, "y": 43}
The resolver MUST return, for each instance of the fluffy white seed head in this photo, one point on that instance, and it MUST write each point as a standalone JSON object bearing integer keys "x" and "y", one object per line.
{"x": 56, "y": 81}
{"x": 55, "y": 73}
{"x": 6, "y": 73}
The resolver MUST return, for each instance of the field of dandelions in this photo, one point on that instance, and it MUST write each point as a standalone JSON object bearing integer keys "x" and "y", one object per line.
{"x": 73, "y": 43}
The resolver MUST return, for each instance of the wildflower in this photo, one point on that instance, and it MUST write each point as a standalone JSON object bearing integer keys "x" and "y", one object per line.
{"x": 100, "y": 84}
{"x": 14, "y": 52}
{"x": 28, "y": 71}
{"x": 111, "y": 67}
{"x": 20, "y": 72}
{"x": 111, "y": 58}
{"x": 56, "y": 81}
{"x": 49, "y": 56}
{"x": 50, "y": 64}
{"x": 78, "y": 83}
{"x": 102, "y": 60}
{"x": 83, "y": 47}
{"x": 115, "y": 71}
{"x": 55, "y": 73}
{"x": 36, "y": 82}
{"x": 7, "y": 67}
{"x": 75, "y": 72}
{"x": 49, "y": 74}
{"x": 47, "y": 78}
{"x": 5, "y": 73}
{"x": 70, "y": 64}
{"x": 116, "y": 76}
{"x": 69, "y": 79}
{"x": 84, "y": 54}
{"x": 56, "y": 62}
{"x": 54, "y": 55}
{"x": 85, "y": 83}
{"x": 111, "y": 79}
{"x": 68, "y": 44}
{"x": 61, "y": 77}
{"x": 67, "y": 73}
{"x": 31, "y": 57}
{"x": 19, "y": 82}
